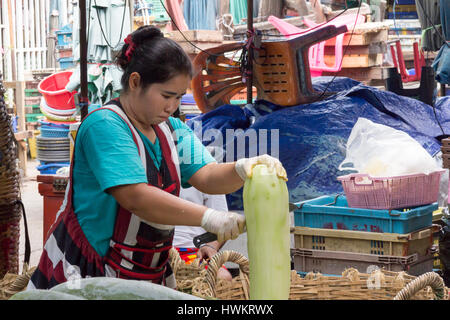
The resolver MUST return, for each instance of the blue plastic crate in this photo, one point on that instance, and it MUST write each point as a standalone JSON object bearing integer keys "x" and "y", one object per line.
{"x": 403, "y": 2}
{"x": 64, "y": 36}
{"x": 65, "y": 63}
{"x": 403, "y": 15}
{"x": 332, "y": 212}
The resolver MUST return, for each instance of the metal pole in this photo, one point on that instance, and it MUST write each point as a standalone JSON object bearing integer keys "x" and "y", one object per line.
{"x": 83, "y": 98}
{"x": 250, "y": 52}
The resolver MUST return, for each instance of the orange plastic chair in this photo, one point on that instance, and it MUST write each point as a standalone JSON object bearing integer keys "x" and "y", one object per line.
{"x": 281, "y": 72}
{"x": 317, "y": 52}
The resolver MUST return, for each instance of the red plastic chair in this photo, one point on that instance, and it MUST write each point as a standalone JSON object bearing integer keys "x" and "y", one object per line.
{"x": 317, "y": 52}
{"x": 419, "y": 62}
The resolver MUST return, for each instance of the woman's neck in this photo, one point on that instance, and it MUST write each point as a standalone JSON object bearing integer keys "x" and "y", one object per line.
{"x": 143, "y": 127}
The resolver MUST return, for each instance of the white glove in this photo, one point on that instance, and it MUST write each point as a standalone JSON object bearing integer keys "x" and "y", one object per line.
{"x": 226, "y": 225}
{"x": 244, "y": 166}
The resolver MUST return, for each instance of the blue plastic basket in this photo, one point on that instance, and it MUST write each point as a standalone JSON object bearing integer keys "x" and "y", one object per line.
{"x": 51, "y": 168}
{"x": 54, "y": 133}
{"x": 332, "y": 212}
{"x": 51, "y": 125}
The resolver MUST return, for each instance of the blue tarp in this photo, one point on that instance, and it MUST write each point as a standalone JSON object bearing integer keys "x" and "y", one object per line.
{"x": 312, "y": 137}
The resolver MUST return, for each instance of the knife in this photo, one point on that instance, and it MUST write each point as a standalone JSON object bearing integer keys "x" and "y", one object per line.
{"x": 204, "y": 238}
{"x": 208, "y": 236}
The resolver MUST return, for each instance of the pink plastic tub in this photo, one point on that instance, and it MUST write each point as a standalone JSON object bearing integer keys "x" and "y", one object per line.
{"x": 364, "y": 191}
{"x": 53, "y": 89}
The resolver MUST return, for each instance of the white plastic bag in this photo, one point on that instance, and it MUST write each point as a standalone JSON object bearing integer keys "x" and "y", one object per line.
{"x": 382, "y": 151}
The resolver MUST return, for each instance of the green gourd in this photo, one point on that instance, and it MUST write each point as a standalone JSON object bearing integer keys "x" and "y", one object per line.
{"x": 40, "y": 294}
{"x": 105, "y": 288}
{"x": 266, "y": 208}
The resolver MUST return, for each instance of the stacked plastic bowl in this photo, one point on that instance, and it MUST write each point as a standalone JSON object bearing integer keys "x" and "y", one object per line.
{"x": 58, "y": 106}
{"x": 53, "y": 147}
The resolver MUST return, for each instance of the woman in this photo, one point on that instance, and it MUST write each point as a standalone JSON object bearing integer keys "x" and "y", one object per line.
{"x": 122, "y": 200}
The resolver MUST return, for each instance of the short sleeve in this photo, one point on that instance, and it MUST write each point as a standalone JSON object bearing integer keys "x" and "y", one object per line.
{"x": 192, "y": 153}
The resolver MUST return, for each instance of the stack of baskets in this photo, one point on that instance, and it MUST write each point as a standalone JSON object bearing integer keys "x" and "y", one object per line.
{"x": 381, "y": 222}
{"x": 53, "y": 147}
{"x": 10, "y": 208}
{"x": 58, "y": 106}
{"x": 350, "y": 285}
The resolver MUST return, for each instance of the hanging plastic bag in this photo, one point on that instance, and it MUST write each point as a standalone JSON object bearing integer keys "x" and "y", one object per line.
{"x": 382, "y": 151}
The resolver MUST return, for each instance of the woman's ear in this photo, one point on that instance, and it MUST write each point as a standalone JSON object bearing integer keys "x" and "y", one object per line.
{"x": 134, "y": 81}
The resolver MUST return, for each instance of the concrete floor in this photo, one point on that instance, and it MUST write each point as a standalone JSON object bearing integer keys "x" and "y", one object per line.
{"x": 33, "y": 203}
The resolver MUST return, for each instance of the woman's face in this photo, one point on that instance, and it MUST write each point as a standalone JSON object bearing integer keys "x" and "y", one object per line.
{"x": 158, "y": 101}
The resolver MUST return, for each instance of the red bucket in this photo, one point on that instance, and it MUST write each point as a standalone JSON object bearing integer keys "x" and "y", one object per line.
{"x": 53, "y": 89}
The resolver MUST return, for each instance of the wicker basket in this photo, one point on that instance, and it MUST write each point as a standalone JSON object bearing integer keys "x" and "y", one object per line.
{"x": 10, "y": 204}
{"x": 9, "y": 240}
{"x": 13, "y": 283}
{"x": 352, "y": 285}
{"x": 185, "y": 273}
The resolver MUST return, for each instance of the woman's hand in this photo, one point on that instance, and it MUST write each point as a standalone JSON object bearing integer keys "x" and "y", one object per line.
{"x": 225, "y": 224}
{"x": 207, "y": 251}
{"x": 244, "y": 166}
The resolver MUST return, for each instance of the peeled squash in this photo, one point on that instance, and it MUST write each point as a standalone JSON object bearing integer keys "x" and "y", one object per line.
{"x": 105, "y": 288}
{"x": 41, "y": 294}
{"x": 266, "y": 208}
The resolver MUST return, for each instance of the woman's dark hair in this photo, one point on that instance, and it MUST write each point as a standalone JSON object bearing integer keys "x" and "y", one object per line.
{"x": 157, "y": 59}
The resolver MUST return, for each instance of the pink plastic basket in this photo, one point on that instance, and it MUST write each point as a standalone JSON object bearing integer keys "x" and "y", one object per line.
{"x": 384, "y": 193}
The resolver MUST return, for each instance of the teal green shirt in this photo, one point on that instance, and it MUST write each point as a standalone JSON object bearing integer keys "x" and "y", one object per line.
{"x": 106, "y": 156}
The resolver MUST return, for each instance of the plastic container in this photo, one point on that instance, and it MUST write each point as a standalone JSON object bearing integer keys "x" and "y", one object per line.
{"x": 335, "y": 262}
{"x": 52, "y": 199}
{"x": 332, "y": 212}
{"x": 403, "y": 15}
{"x": 33, "y": 117}
{"x": 54, "y": 133}
{"x": 32, "y": 144}
{"x": 53, "y": 125}
{"x": 154, "y": 9}
{"x": 65, "y": 63}
{"x": 57, "y": 112}
{"x": 72, "y": 135}
{"x": 14, "y": 123}
{"x": 64, "y": 36}
{"x": 403, "y": 2}
{"x": 188, "y": 98}
{"x": 51, "y": 168}
{"x": 391, "y": 244}
{"x": 64, "y": 52}
{"x": 32, "y": 93}
{"x": 364, "y": 191}
{"x": 53, "y": 89}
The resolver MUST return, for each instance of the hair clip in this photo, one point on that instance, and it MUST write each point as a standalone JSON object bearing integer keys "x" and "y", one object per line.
{"x": 131, "y": 47}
